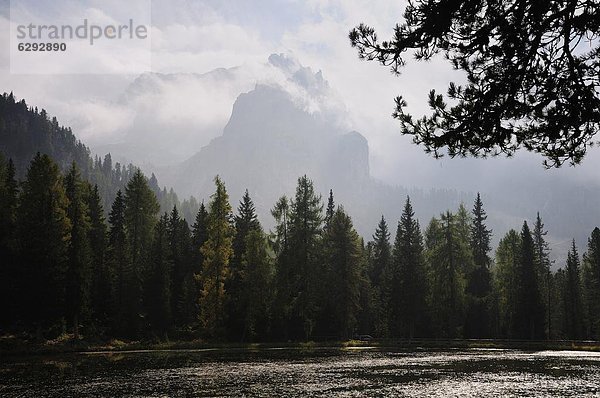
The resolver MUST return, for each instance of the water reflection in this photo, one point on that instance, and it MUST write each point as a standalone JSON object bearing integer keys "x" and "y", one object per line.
{"x": 290, "y": 373}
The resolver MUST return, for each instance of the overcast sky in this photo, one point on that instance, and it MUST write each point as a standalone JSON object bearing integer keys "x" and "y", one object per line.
{"x": 199, "y": 36}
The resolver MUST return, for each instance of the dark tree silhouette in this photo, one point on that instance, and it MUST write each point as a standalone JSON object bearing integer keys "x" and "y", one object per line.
{"x": 532, "y": 69}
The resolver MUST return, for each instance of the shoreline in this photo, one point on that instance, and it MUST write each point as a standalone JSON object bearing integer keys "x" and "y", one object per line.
{"x": 13, "y": 346}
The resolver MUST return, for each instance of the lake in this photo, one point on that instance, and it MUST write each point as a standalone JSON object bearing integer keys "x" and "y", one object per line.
{"x": 293, "y": 372}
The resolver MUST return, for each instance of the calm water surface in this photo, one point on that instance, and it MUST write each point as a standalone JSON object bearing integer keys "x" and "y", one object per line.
{"x": 292, "y": 373}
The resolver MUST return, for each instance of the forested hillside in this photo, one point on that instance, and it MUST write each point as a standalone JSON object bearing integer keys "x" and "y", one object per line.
{"x": 25, "y": 131}
{"x": 143, "y": 273}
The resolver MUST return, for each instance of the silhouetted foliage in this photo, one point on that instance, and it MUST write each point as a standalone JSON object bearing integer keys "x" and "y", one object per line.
{"x": 532, "y": 69}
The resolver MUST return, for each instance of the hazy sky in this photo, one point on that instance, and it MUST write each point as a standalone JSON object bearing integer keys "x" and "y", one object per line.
{"x": 199, "y": 36}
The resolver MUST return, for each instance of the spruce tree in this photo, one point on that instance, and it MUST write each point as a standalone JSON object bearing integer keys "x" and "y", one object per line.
{"x": 180, "y": 258}
{"x": 282, "y": 303}
{"x": 217, "y": 252}
{"x": 330, "y": 209}
{"x": 479, "y": 280}
{"x": 447, "y": 252}
{"x": 529, "y": 316}
{"x": 141, "y": 208}
{"x": 506, "y": 279}
{"x": 344, "y": 257}
{"x": 190, "y": 290}
{"x": 542, "y": 268}
{"x": 245, "y": 222}
{"x": 382, "y": 253}
{"x": 380, "y": 275}
{"x": 158, "y": 289}
{"x": 591, "y": 266}
{"x": 409, "y": 292}
{"x": 199, "y": 236}
{"x": 102, "y": 277}
{"x": 305, "y": 227}
{"x": 119, "y": 265}
{"x": 44, "y": 232}
{"x": 79, "y": 263}
{"x": 8, "y": 243}
{"x": 257, "y": 280}
{"x": 573, "y": 298}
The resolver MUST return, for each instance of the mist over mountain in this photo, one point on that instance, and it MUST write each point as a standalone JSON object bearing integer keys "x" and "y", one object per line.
{"x": 262, "y": 126}
{"x": 274, "y": 135}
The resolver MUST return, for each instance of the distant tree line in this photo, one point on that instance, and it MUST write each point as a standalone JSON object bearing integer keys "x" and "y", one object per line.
{"x": 26, "y": 130}
{"x": 66, "y": 268}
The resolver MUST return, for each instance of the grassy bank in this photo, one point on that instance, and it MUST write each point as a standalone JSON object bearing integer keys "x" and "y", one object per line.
{"x": 13, "y": 345}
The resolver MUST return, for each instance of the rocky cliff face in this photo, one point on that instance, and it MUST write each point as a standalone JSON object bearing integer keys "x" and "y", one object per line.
{"x": 269, "y": 141}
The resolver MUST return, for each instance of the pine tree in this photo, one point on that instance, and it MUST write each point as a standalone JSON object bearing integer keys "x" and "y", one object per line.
{"x": 283, "y": 269}
{"x": 330, "y": 209}
{"x": 447, "y": 252}
{"x": 380, "y": 275}
{"x": 542, "y": 268}
{"x": 382, "y": 253}
{"x": 217, "y": 252}
{"x": 344, "y": 257}
{"x": 141, "y": 208}
{"x": 409, "y": 292}
{"x": 180, "y": 258}
{"x": 305, "y": 227}
{"x": 257, "y": 279}
{"x": 529, "y": 316}
{"x": 479, "y": 280}
{"x": 199, "y": 236}
{"x": 102, "y": 277}
{"x": 44, "y": 232}
{"x": 506, "y": 279}
{"x": 158, "y": 289}
{"x": 591, "y": 266}
{"x": 480, "y": 235}
{"x": 8, "y": 243}
{"x": 190, "y": 290}
{"x": 559, "y": 327}
{"x": 245, "y": 222}
{"x": 573, "y": 299}
{"x": 119, "y": 265}
{"x": 79, "y": 272}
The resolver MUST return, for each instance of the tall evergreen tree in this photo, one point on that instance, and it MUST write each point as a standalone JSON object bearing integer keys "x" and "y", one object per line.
{"x": 8, "y": 243}
{"x": 542, "y": 268}
{"x": 410, "y": 287}
{"x": 190, "y": 289}
{"x": 330, "y": 209}
{"x": 573, "y": 298}
{"x": 141, "y": 208}
{"x": 479, "y": 280}
{"x": 158, "y": 289}
{"x": 506, "y": 279}
{"x": 529, "y": 316}
{"x": 380, "y": 275}
{"x": 44, "y": 232}
{"x": 305, "y": 243}
{"x": 591, "y": 266}
{"x": 282, "y": 303}
{"x": 257, "y": 279}
{"x": 79, "y": 272}
{"x": 180, "y": 258}
{"x": 447, "y": 252}
{"x": 245, "y": 222}
{"x": 199, "y": 236}
{"x": 344, "y": 257}
{"x": 119, "y": 264}
{"x": 102, "y": 276}
{"x": 382, "y": 253}
{"x": 217, "y": 252}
